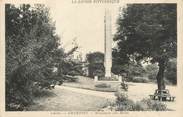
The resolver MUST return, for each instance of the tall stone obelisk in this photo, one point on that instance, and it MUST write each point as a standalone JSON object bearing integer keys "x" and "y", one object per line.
{"x": 108, "y": 43}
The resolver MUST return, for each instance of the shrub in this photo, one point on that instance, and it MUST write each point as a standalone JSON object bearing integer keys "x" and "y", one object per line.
{"x": 125, "y": 104}
{"x": 71, "y": 79}
{"x": 124, "y": 86}
{"x": 140, "y": 106}
{"x": 140, "y": 79}
{"x": 153, "y": 105}
{"x": 121, "y": 96}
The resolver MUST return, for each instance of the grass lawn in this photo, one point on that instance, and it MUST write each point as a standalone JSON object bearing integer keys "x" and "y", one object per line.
{"x": 136, "y": 91}
{"x": 88, "y": 83}
{"x": 71, "y": 98}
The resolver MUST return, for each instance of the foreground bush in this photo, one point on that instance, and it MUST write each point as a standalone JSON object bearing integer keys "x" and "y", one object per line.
{"x": 150, "y": 105}
{"x": 125, "y": 104}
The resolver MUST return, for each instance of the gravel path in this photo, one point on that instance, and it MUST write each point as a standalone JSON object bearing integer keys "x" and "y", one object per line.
{"x": 108, "y": 95}
{"x": 66, "y": 99}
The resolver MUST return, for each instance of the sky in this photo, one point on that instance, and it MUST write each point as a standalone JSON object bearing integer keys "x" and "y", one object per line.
{"x": 82, "y": 23}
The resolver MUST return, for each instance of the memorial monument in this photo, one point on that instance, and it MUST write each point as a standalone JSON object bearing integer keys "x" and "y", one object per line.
{"x": 107, "y": 43}
{"x": 108, "y": 48}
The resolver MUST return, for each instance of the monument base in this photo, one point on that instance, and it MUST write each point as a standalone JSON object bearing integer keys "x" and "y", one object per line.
{"x": 108, "y": 78}
{"x": 107, "y": 84}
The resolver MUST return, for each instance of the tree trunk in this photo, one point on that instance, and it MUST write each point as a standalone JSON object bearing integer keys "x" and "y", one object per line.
{"x": 160, "y": 75}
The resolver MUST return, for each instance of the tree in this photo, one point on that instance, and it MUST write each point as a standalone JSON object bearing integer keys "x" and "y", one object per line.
{"x": 32, "y": 51}
{"x": 96, "y": 64}
{"x": 72, "y": 67}
{"x": 148, "y": 31}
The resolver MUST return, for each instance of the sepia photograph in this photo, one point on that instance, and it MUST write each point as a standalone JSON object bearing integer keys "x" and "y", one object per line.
{"x": 89, "y": 56}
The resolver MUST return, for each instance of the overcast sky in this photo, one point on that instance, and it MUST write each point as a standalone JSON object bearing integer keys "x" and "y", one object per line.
{"x": 85, "y": 23}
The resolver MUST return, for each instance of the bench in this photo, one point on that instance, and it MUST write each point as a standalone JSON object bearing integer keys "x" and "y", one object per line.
{"x": 162, "y": 95}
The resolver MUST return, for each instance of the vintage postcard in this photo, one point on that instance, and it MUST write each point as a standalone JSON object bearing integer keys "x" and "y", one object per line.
{"x": 91, "y": 58}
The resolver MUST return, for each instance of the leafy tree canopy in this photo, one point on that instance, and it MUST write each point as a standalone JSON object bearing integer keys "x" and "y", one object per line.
{"x": 96, "y": 64}
{"x": 147, "y": 31}
{"x": 32, "y": 52}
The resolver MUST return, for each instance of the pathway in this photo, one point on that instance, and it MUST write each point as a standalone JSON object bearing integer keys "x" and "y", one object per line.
{"x": 72, "y": 99}
{"x": 108, "y": 95}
